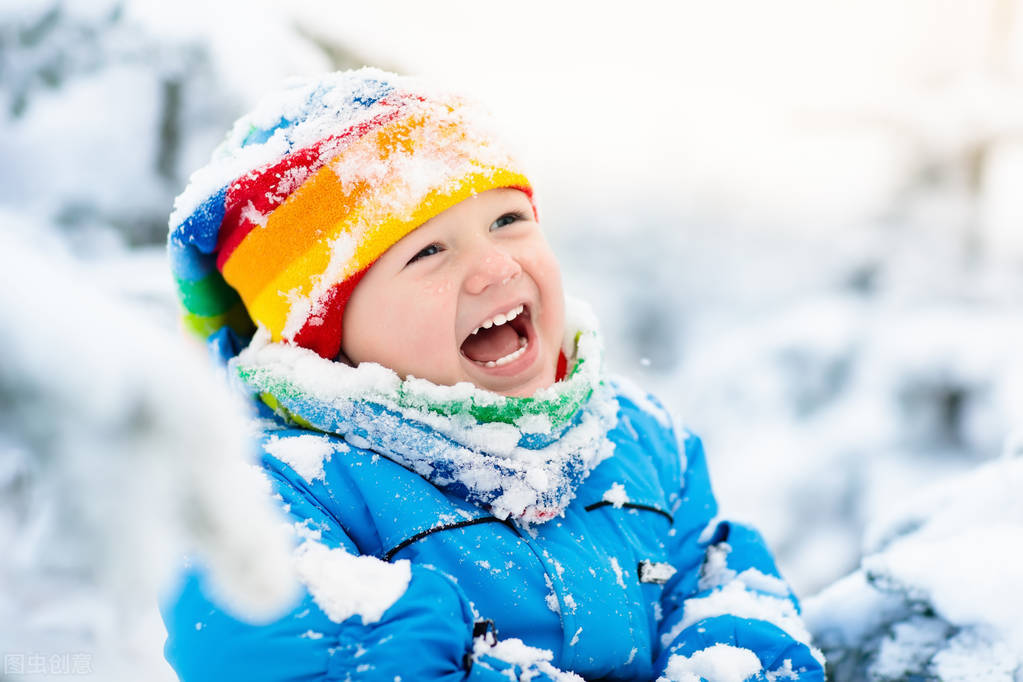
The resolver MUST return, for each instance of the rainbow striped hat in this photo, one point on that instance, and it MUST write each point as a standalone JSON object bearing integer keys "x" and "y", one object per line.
{"x": 311, "y": 188}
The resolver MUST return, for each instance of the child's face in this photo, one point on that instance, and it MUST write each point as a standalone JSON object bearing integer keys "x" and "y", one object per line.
{"x": 417, "y": 307}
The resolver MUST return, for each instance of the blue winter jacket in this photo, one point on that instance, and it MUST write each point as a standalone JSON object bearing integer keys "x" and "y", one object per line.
{"x": 594, "y": 587}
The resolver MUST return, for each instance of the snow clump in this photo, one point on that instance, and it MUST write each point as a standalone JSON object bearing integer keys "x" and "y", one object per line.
{"x": 938, "y": 594}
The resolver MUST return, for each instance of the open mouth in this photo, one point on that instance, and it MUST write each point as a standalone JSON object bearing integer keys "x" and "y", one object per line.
{"x": 501, "y": 339}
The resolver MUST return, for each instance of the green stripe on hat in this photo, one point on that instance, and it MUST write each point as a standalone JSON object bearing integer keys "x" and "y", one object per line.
{"x": 208, "y": 296}
{"x": 237, "y": 318}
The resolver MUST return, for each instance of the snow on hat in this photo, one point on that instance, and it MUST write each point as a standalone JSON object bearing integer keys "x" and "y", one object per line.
{"x": 311, "y": 188}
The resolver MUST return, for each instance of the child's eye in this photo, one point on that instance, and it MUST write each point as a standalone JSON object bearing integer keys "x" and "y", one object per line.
{"x": 506, "y": 219}
{"x": 428, "y": 251}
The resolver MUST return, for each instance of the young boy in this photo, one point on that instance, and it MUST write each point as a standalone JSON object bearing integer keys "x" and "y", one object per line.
{"x": 473, "y": 497}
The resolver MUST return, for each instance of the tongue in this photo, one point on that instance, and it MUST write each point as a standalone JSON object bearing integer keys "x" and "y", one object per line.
{"x": 491, "y": 344}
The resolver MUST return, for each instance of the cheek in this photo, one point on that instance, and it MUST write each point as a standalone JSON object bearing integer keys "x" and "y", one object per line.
{"x": 429, "y": 307}
{"x": 546, "y": 273}
{"x": 401, "y": 323}
{"x": 438, "y": 287}
{"x": 424, "y": 314}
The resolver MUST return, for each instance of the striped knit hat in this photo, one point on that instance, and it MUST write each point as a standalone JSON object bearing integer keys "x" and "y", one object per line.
{"x": 311, "y": 188}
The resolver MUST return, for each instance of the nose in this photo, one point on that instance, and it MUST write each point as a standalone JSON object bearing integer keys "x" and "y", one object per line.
{"x": 491, "y": 266}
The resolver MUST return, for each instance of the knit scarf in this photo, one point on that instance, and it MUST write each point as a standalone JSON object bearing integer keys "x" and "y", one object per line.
{"x": 517, "y": 457}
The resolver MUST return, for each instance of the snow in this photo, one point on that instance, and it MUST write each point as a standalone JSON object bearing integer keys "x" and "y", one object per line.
{"x": 734, "y": 599}
{"x": 715, "y": 573}
{"x": 938, "y": 592}
{"x": 970, "y": 655}
{"x": 785, "y": 672}
{"x": 616, "y": 495}
{"x": 575, "y": 637}
{"x": 720, "y": 662}
{"x": 619, "y": 578}
{"x": 979, "y": 581}
{"x": 762, "y": 582}
{"x": 849, "y": 612}
{"x": 909, "y": 647}
{"x": 303, "y": 306}
{"x": 344, "y": 585}
{"x": 534, "y": 423}
{"x": 656, "y": 572}
{"x": 119, "y": 452}
{"x": 552, "y": 598}
{"x": 303, "y": 530}
{"x": 529, "y": 659}
{"x": 305, "y": 454}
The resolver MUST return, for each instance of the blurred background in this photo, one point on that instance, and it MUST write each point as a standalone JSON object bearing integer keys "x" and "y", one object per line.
{"x": 798, "y": 221}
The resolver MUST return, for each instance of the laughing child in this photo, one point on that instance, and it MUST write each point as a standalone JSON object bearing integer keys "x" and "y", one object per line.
{"x": 474, "y": 498}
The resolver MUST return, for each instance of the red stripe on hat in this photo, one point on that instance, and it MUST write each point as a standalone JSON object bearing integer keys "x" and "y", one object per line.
{"x": 528, "y": 191}
{"x": 262, "y": 187}
{"x": 322, "y": 333}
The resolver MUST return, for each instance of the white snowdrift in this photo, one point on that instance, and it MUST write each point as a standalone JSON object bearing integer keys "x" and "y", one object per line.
{"x": 938, "y": 593}
{"x": 119, "y": 452}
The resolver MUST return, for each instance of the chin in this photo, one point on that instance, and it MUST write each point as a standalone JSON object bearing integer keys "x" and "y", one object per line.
{"x": 525, "y": 388}
{"x": 521, "y": 392}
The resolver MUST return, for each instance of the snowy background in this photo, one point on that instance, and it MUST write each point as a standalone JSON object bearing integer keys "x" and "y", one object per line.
{"x": 800, "y": 222}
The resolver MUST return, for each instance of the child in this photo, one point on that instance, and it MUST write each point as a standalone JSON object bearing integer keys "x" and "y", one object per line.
{"x": 474, "y": 498}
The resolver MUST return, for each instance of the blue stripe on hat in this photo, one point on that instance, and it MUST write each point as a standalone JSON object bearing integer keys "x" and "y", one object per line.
{"x": 203, "y": 226}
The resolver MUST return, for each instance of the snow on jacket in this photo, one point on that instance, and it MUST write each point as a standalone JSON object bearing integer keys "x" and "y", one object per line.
{"x": 406, "y": 579}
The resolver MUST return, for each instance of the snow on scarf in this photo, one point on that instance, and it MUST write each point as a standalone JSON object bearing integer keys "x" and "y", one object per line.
{"x": 518, "y": 457}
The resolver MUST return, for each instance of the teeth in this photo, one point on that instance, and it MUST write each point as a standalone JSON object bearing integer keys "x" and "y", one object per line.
{"x": 508, "y": 358}
{"x": 499, "y": 319}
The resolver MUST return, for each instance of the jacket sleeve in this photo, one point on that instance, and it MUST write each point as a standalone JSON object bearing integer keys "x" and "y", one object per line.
{"x": 726, "y": 608}
{"x": 354, "y": 618}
